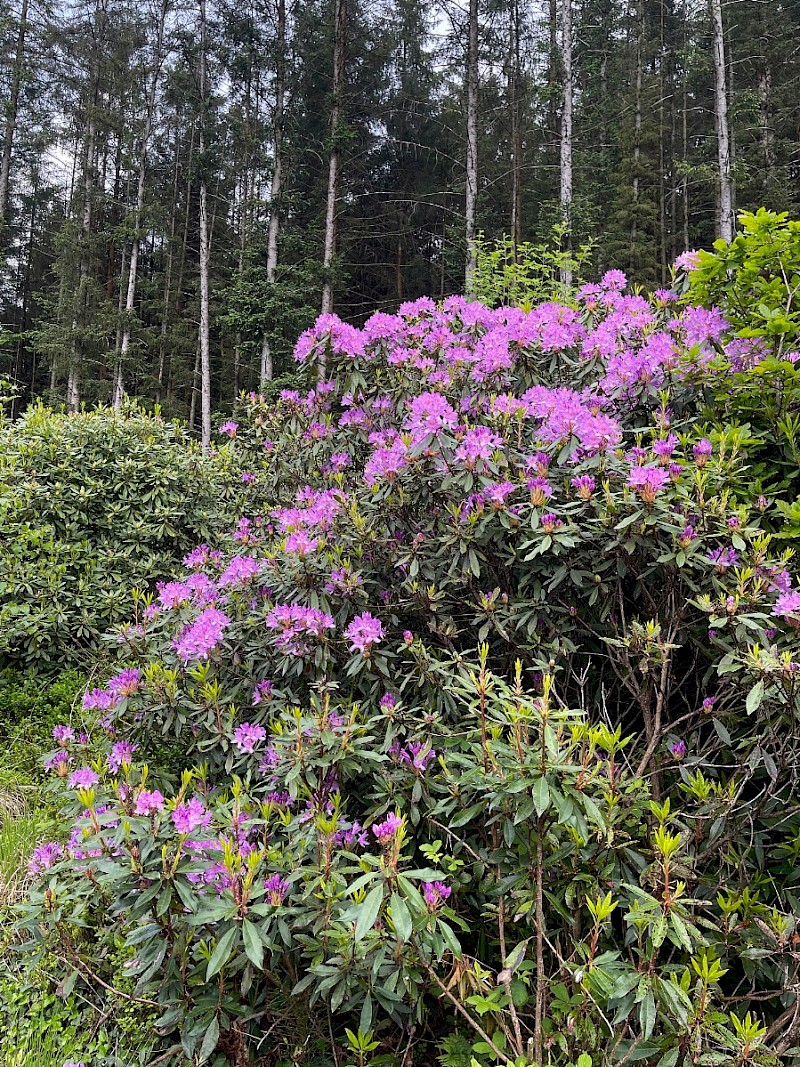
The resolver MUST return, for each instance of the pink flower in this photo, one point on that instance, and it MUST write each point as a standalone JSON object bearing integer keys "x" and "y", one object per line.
{"x": 477, "y": 446}
{"x": 435, "y": 893}
{"x": 229, "y": 428}
{"x": 190, "y": 816}
{"x": 241, "y": 569}
{"x": 647, "y": 481}
{"x": 540, "y": 490}
{"x": 121, "y": 755}
{"x": 149, "y": 803}
{"x": 248, "y": 735}
{"x": 44, "y": 857}
{"x": 202, "y": 636}
{"x": 585, "y": 486}
{"x": 126, "y": 683}
{"x": 687, "y": 261}
{"x": 678, "y": 749}
{"x": 262, "y": 691}
{"x": 83, "y": 778}
{"x": 787, "y": 607}
{"x": 300, "y": 544}
{"x": 702, "y": 450}
{"x": 386, "y": 830}
{"x": 59, "y": 762}
{"x": 430, "y": 412}
{"x": 276, "y": 888}
{"x": 364, "y": 632}
{"x": 496, "y": 493}
{"x": 63, "y": 734}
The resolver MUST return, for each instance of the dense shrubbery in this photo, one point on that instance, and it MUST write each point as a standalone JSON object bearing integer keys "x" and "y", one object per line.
{"x": 92, "y": 505}
{"x": 493, "y": 714}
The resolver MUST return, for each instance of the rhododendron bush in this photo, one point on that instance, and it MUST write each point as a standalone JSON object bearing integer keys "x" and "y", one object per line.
{"x": 489, "y": 720}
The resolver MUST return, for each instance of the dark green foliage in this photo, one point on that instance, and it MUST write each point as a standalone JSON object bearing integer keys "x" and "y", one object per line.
{"x": 29, "y": 709}
{"x": 91, "y": 506}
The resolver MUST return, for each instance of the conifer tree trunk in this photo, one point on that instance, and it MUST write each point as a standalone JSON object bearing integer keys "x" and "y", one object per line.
{"x": 637, "y": 133}
{"x": 565, "y": 155}
{"x": 276, "y": 185}
{"x": 203, "y": 338}
{"x": 11, "y": 114}
{"x": 725, "y": 213}
{"x": 765, "y": 127}
{"x": 130, "y": 297}
{"x": 515, "y": 78}
{"x": 168, "y": 272}
{"x": 472, "y": 148}
{"x": 333, "y": 162}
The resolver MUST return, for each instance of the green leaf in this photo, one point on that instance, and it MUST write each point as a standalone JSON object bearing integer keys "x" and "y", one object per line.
{"x": 221, "y": 953}
{"x": 210, "y": 1040}
{"x": 647, "y": 1014}
{"x": 401, "y": 917}
{"x": 368, "y": 912}
{"x": 253, "y": 944}
{"x": 754, "y": 698}
{"x": 540, "y": 795}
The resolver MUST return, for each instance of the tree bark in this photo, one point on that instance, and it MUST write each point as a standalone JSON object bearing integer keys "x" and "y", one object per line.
{"x": 168, "y": 271}
{"x": 203, "y": 337}
{"x": 471, "y": 198}
{"x": 637, "y": 134}
{"x": 130, "y": 296}
{"x": 333, "y": 163}
{"x": 11, "y": 115}
{"x": 276, "y": 185}
{"x": 515, "y": 80}
{"x": 565, "y": 155}
{"x": 725, "y": 218}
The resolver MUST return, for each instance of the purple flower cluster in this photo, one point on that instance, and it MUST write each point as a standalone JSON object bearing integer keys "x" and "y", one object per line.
{"x": 386, "y": 831}
{"x": 276, "y": 888}
{"x": 202, "y": 636}
{"x": 647, "y": 481}
{"x": 190, "y": 816}
{"x": 83, "y": 778}
{"x": 364, "y": 632}
{"x": 247, "y": 736}
{"x": 293, "y": 623}
{"x": 44, "y": 857}
{"x": 435, "y": 894}
{"x": 149, "y": 802}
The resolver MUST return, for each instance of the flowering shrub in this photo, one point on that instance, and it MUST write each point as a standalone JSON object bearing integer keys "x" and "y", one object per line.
{"x": 493, "y": 711}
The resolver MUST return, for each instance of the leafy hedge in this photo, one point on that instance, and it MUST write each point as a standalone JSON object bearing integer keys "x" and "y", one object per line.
{"x": 91, "y": 506}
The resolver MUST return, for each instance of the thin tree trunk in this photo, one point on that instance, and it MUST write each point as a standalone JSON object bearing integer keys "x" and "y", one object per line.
{"x": 765, "y": 127}
{"x": 73, "y": 375}
{"x": 637, "y": 133}
{"x": 168, "y": 271}
{"x": 565, "y": 156}
{"x": 276, "y": 185}
{"x": 685, "y": 140}
{"x": 130, "y": 297}
{"x": 725, "y": 216}
{"x": 11, "y": 114}
{"x": 516, "y": 127}
{"x": 471, "y": 198}
{"x": 333, "y": 163}
{"x": 205, "y": 354}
